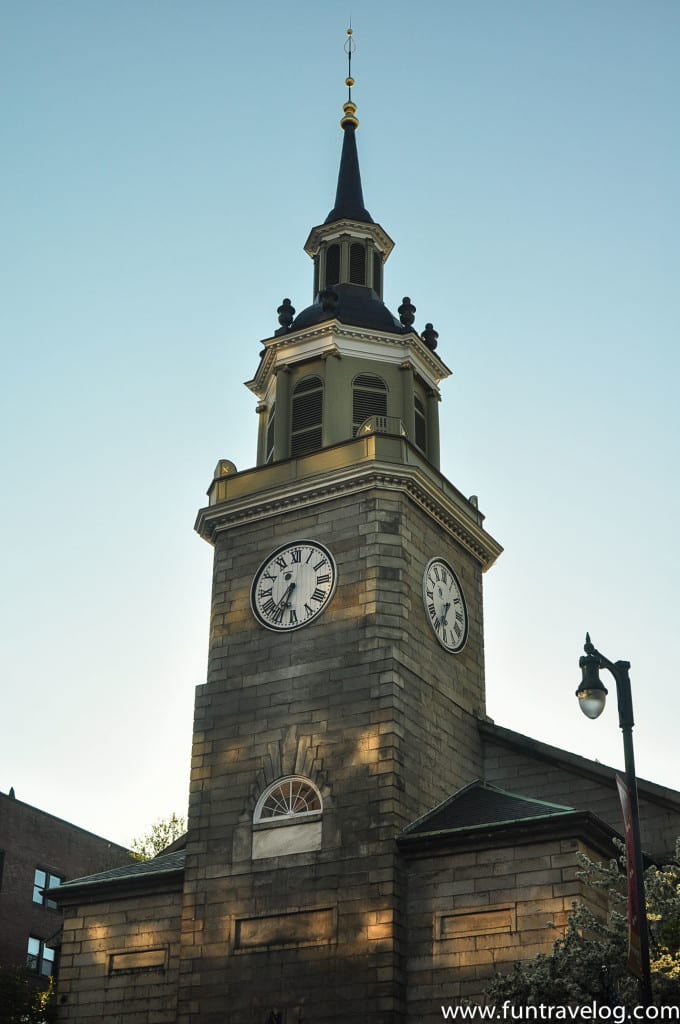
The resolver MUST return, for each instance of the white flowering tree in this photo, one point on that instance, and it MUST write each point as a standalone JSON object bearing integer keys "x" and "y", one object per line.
{"x": 590, "y": 962}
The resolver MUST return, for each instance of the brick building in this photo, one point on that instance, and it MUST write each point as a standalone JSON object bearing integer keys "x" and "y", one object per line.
{"x": 364, "y": 843}
{"x": 37, "y": 851}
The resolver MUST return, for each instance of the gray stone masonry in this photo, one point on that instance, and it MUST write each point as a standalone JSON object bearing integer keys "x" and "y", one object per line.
{"x": 383, "y": 718}
{"x": 106, "y": 947}
{"x": 475, "y": 913}
{"x": 539, "y": 771}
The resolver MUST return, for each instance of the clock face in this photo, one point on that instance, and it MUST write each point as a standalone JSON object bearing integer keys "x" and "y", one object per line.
{"x": 445, "y": 605}
{"x": 293, "y": 585}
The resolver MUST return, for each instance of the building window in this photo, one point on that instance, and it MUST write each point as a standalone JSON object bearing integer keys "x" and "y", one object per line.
{"x": 306, "y": 416}
{"x": 421, "y": 425}
{"x": 357, "y": 263}
{"x": 40, "y": 958}
{"x": 44, "y": 880}
{"x": 288, "y": 799}
{"x": 369, "y": 398}
{"x": 332, "y": 265}
{"x": 269, "y": 444}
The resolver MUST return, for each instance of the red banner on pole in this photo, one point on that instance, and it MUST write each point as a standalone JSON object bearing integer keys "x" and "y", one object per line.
{"x": 634, "y": 948}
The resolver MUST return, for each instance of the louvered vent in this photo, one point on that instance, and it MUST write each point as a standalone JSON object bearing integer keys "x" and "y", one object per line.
{"x": 421, "y": 425}
{"x": 269, "y": 454}
{"x": 369, "y": 398}
{"x": 332, "y": 265}
{"x": 357, "y": 263}
{"x": 377, "y": 273}
{"x": 316, "y": 275}
{"x": 307, "y": 416}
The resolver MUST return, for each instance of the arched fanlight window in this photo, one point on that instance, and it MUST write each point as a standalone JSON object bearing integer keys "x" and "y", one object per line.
{"x": 291, "y": 798}
{"x": 306, "y": 420}
{"x": 369, "y": 398}
{"x": 332, "y": 265}
{"x": 357, "y": 263}
{"x": 421, "y": 425}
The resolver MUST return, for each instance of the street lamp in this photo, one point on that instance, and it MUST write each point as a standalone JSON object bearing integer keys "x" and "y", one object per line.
{"x": 592, "y": 696}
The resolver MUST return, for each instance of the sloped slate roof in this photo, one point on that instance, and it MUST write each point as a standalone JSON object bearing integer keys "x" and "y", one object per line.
{"x": 480, "y": 805}
{"x": 160, "y": 867}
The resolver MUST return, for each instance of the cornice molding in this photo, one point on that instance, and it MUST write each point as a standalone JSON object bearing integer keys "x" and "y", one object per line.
{"x": 355, "y": 228}
{"x": 296, "y": 495}
{"x": 335, "y": 338}
{"x": 582, "y": 825}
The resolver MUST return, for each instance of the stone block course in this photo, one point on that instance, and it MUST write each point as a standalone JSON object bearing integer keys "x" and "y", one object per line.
{"x": 366, "y": 704}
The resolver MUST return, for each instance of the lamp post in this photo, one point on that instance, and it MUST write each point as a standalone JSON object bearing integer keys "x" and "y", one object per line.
{"x": 592, "y": 695}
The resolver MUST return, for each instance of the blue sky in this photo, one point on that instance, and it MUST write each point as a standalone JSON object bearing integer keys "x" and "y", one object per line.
{"x": 163, "y": 163}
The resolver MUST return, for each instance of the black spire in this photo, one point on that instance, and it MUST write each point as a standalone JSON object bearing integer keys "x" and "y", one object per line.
{"x": 349, "y": 198}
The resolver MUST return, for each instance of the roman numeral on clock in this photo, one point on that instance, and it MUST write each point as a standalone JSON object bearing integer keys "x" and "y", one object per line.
{"x": 445, "y": 604}
{"x": 293, "y": 585}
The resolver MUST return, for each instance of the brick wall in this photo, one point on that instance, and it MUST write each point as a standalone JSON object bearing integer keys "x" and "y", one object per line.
{"x": 32, "y": 839}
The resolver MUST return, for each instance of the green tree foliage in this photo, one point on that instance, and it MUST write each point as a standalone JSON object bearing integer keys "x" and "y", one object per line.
{"x": 160, "y": 835}
{"x": 589, "y": 963}
{"x": 21, "y": 1002}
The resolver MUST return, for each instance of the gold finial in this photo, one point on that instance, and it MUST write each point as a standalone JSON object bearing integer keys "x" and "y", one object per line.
{"x": 349, "y": 107}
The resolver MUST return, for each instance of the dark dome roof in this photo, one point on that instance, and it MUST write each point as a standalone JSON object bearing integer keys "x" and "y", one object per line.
{"x": 356, "y": 307}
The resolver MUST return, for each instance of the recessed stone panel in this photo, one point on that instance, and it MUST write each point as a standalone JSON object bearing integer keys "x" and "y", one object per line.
{"x": 489, "y": 921}
{"x": 300, "y": 928}
{"x": 277, "y": 842}
{"x": 138, "y": 960}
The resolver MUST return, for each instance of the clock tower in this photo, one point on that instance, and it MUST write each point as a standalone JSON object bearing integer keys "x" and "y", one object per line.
{"x": 346, "y": 664}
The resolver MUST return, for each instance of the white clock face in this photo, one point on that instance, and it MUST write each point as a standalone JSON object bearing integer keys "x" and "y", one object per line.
{"x": 293, "y": 585}
{"x": 445, "y": 605}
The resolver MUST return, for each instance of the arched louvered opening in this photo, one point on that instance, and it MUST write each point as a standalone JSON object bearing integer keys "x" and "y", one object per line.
{"x": 332, "y": 265}
{"x": 316, "y": 275}
{"x": 421, "y": 425}
{"x": 269, "y": 443}
{"x": 357, "y": 263}
{"x": 369, "y": 398}
{"x": 306, "y": 416}
{"x": 377, "y": 273}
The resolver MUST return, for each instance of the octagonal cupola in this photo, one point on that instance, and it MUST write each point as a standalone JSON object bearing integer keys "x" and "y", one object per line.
{"x": 346, "y": 363}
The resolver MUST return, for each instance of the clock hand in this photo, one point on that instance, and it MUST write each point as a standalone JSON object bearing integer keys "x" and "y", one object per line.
{"x": 446, "y": 612}
{"x": 284, "y": 600}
